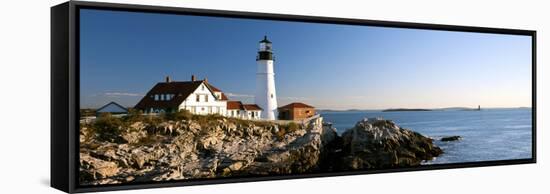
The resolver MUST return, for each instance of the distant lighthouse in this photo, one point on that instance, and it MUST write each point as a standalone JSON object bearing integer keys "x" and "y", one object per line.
{"x": 266, "y": 96}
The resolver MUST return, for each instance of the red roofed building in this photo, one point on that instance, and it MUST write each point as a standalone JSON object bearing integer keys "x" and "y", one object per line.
{"x": 296, "y": 111}
{"x": 244, "y": 111}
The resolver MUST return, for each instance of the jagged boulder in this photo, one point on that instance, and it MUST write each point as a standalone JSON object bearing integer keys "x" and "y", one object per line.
{"x": 93, "y": 168}
{"x": 378, "y": 143}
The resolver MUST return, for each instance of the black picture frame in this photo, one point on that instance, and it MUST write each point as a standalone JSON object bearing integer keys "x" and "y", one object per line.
{"x": 65, "y": 91}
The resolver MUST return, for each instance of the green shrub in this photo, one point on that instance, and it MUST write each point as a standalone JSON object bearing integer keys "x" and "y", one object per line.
{"x": 293, "y": 127}
{"x": 241, "y": 122}
{"x": 207, "y": 120}
{"x": 134, "y": 115}
{"x": 107, "y": 128}
{"x": 153, "y": 120}
{"x": 178, "y": 116}
{"x": 287, "y": 128}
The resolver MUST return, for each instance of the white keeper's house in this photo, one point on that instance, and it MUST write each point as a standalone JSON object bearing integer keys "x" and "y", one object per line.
{"x": 196, "y": 96}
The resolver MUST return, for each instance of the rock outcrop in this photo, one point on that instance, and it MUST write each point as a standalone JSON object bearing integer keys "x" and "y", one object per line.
{"x": 191, "y": 149}
{"x": 451, "y": 138}
{"x": 376, "y": 143}
{"x": 184, "y": 149}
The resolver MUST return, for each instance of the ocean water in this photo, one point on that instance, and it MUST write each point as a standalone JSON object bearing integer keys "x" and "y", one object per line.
{"x": 489, "y": 134}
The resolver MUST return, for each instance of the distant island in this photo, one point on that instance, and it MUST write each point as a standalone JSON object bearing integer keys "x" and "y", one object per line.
{"x": 405, "y": 109}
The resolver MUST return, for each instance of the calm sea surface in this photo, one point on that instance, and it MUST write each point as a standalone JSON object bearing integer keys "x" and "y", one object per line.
{"x": 489, "y": 134}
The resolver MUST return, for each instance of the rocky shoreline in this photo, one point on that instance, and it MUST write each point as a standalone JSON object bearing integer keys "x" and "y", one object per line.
{"x": 195, "y": 148}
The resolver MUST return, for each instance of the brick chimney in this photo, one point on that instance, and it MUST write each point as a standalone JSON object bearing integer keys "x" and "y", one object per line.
{"x": 168, "y": 80}
{"x": 193, "y": 78}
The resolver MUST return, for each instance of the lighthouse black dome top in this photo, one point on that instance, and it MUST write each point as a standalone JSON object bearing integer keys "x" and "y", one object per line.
{"x": 265, "y": 52}
{"x": 265, "y": 40}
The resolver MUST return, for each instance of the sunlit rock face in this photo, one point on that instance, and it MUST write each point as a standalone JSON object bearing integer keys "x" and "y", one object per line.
{"x": 211, "y": 147}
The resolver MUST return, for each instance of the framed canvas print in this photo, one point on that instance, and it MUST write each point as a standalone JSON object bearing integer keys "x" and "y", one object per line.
{"x": 146, "y": 96}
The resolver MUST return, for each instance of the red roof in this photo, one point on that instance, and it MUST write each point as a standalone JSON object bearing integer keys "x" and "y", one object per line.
{"x": 234, "y": 105}
{"x": 214, "y": 89}
{"x": 238, "y": 105}
{"x": 251, "y": 107}
{"x": 296, "y": 105}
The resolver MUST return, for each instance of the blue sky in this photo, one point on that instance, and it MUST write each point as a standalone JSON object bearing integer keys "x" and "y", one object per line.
{"x": 123, "y": 54}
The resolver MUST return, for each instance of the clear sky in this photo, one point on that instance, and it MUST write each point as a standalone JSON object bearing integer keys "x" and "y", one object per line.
{"x": 123, "y": 54}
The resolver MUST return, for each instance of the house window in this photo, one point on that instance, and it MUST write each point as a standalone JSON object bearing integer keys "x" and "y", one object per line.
{"x": 156, "y": 97}
{"x": 206, "y": 98}
{"x": 271, "y": 95}
{"x": 202, "y": 108}
{"x": 198, "y": 98}
{"x": 162, "y": 97}
{"x": 202, "y": 87}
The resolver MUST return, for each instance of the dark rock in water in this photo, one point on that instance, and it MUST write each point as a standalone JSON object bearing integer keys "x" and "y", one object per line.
{"x": 451, "y": 138}
{"x": 377, "y": 143}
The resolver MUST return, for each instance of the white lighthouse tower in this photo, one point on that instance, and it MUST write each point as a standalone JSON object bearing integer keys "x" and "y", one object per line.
{"x": 266, "y": 96}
